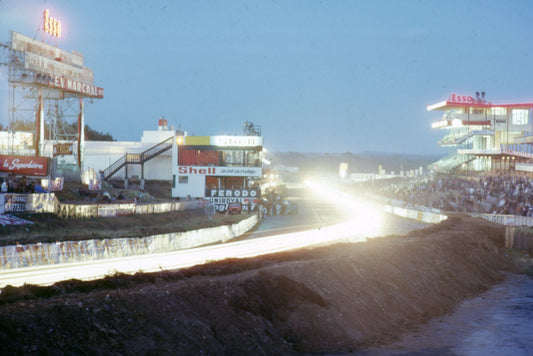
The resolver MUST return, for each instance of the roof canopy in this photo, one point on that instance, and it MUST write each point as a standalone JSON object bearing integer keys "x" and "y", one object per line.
{"x": 466, "y": 101}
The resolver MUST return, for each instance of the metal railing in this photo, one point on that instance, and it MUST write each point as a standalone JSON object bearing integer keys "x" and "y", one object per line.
{"x": 138, "y": 158}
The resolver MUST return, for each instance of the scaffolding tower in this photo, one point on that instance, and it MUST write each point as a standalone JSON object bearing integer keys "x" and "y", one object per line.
{"x": 47, "y": 88}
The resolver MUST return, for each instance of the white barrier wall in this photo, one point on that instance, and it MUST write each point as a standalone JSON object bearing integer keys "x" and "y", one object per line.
{"x": 86, "y": 211}
{"x": 508, "y": 220}
{"x": 75, "y": 251}
{"x": 424, "y": 216}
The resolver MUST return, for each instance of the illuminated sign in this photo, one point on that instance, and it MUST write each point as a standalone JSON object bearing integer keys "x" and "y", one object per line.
{"x": 223, "y": 141}
{"x": 461, "y": 99}
{"x": 51, "y": 25}
{"x": 237, "y": 141}
{"x": 221, "y": 171}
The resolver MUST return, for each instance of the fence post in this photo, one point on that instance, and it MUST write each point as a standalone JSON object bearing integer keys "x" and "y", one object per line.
{"x": 509, "y": 236}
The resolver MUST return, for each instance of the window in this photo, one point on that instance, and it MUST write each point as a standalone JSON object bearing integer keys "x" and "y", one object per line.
{"x": 229, "y": 157}
{"x": 183, "y": 179}
{"x": 498, "y": 111}
{"x": 520, "y": 117}
{"x": 196, "y": 157}
{"x": 232, "y": 158}
{"x": 253, "y": 158}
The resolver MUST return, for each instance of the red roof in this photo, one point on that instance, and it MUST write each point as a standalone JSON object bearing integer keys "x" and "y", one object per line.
{"x": 469, "y": 102}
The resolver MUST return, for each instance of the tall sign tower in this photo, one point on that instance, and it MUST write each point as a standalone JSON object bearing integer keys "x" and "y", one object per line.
{"x": 48, "y": 88}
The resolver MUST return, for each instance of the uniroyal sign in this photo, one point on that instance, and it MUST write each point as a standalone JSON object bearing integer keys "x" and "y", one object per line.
{"x": 77, "y": 87}
{"x": 23, "y": 165}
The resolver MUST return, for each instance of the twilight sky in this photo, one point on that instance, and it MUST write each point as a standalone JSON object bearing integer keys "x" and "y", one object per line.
{"x": 318, "y": 76}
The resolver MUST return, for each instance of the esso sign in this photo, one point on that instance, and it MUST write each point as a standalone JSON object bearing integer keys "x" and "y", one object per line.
{"x": 466, "y": 99}
{"x": 51, "y": 25}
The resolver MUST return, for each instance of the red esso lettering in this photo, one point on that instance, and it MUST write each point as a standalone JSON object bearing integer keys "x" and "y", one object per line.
{"x": 461, "y": 98}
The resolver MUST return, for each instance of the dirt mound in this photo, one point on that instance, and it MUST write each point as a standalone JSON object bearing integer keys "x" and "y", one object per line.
{"x": 335, "y": 299}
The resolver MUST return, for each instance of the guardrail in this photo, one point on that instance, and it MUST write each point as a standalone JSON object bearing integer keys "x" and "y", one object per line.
{"x": 17, "y": 256}
{"x": 507, "y": 220}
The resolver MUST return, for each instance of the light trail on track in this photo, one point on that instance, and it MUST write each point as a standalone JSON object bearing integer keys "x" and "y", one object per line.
{"x": 46, "y": 275}
{"x": 357, "y": 229}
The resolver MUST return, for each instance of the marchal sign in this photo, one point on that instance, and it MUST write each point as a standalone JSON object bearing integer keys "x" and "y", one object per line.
{"x": 76, "y": 86}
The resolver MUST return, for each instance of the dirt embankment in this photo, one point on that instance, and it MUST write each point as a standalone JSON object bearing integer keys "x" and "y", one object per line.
{"x": 334, "y": 299}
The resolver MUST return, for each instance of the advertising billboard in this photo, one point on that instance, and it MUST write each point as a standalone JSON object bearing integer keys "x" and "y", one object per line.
{"x": 24, "y": 165}
{"x": 221, "y": 171}
{"x": 60, "y": 69}
{"x": 26, "y": 44}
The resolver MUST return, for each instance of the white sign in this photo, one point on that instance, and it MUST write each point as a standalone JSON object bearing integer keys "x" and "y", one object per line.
{"x": 42, "y": 64}
{"x": 77, "y": 87}
{"x": 232, "y": 193}
{"x": 239, "y": 171}
{"x": 26, "y": 44}
{"x": 237, "y": 141}
{"x": 221, "y": 171}
{"x": 56, "y": 184}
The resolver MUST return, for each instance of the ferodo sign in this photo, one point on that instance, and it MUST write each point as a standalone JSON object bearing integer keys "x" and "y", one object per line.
{"x": 24, "y": 165}
{"x": 232, "y": 193}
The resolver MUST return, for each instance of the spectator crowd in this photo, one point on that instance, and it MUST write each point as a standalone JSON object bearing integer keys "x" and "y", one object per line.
{"x": 493, "y": 194}
{"x": 19, "y": 184}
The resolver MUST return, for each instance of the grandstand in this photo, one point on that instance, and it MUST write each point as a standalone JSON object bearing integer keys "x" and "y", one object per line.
{"x": 485, "y": 137}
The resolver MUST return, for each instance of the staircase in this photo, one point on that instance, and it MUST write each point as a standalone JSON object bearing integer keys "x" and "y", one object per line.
{"x": 454, "y": 140}
{"x": 137, "y": 158}
{"x": 451, "y": 162}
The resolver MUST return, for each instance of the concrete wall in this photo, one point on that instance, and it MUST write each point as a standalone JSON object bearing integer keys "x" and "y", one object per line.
{"x": 519, "y": 239}
{"x": 17, "y": 256}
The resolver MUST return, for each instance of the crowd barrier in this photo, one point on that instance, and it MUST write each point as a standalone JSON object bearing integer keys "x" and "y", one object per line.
{"x": 85, "y": 211}
{"x": 17, "y": 256}
{"x": 507, "y": 220}
{"x": 30, "y": 203}
{"x": 430, "y": 217}
{"x": 48, "y": 203}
